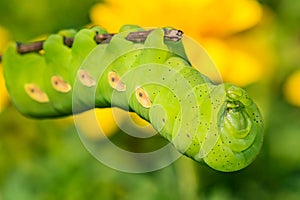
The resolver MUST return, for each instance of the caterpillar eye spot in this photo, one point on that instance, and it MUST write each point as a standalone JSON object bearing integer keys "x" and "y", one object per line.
{"x": 143, "y": 98}
{"x": 85, "y": 78}
{"x": 35, "y": 93}
{"x": 115, "y": 82}
{"x": 60, "y": 85}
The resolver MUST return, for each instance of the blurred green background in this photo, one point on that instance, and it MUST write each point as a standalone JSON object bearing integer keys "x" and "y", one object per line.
{"x": 45, "y": 159}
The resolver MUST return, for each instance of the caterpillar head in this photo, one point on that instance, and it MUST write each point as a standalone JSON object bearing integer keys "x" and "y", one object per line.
{"x": 240, "y": 131}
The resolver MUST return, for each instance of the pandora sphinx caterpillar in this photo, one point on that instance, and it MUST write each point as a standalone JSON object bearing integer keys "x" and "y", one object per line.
{"x": 217, "y": 124}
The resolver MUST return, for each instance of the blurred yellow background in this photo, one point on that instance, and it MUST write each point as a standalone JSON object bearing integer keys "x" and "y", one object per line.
{"x": 255, "y": 44}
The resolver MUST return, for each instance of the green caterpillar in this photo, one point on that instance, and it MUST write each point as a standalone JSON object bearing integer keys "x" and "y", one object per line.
{"x": 215, "y": 124}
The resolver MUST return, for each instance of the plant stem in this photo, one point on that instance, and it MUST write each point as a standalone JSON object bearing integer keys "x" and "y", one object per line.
{"x": 138, "y": 37}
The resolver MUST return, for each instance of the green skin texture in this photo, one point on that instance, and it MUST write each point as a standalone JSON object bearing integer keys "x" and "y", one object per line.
{"x": 214, "y": 124}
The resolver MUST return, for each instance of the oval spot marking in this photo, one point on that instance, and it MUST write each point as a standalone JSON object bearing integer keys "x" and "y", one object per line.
{"x": 115, "y": 81}
{"x": 85, "y": 78}
{"x": 143, "y": 97}
{"x": 36, "y": 93}
{"x": 60, "y": 85}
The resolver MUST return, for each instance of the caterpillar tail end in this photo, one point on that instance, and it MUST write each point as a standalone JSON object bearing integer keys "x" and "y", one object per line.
{"x": 240, "y": 132}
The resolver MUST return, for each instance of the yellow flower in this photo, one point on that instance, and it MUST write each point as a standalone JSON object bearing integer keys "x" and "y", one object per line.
{"x": 291, "y": 89}
{"x": 4, "y": 40}
{"x": 215, "y": 24}
{"x": 97, "y": 123}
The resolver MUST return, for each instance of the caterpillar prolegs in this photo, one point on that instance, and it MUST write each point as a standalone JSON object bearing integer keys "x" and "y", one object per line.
{"x": 217, "y": 124}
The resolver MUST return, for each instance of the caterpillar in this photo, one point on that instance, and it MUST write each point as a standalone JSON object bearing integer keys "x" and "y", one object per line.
{"x": 215, "y": 124}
